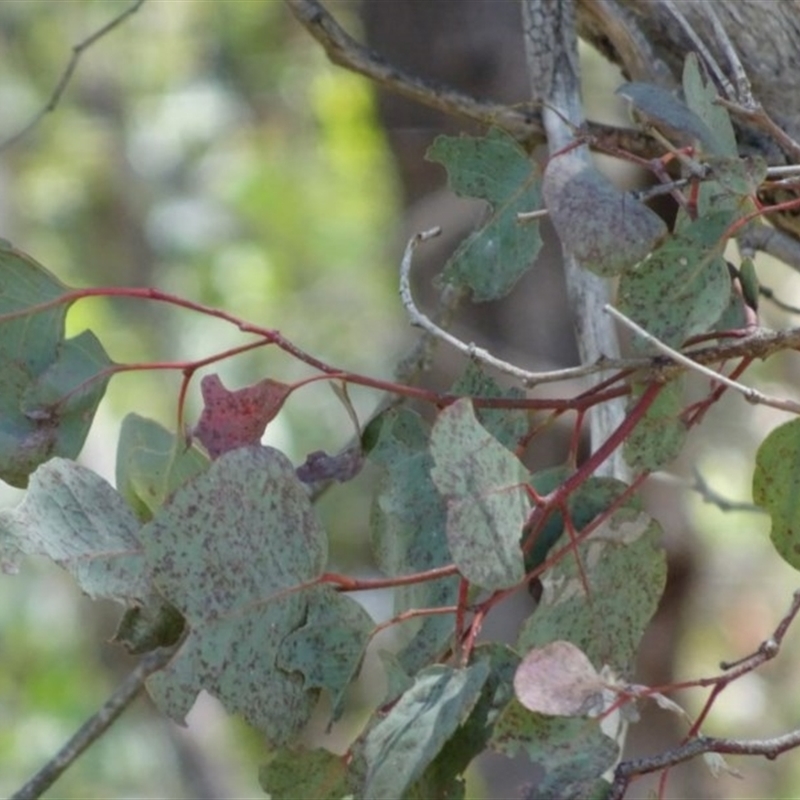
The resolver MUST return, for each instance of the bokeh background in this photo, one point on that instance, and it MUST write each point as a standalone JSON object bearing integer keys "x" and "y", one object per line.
{"x": 210, "y": 150}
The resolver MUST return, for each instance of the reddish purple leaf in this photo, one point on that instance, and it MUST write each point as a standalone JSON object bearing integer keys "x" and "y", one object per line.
{"x": 235, "y": 419}
{"x": 319, "y": 466}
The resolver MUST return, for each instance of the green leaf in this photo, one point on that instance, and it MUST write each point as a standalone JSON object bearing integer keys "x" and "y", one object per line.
{"x": 444, "y": 775}
{"x": 398, "y": 680}
{"x": 748, "y": 278}
{"x": 683, "y": 288}
{"x": 776, "y": 488}
{"x": 429, "y": 636}
{"x": 408, "y": 738}
{"x": 408, "y": 531}
{"x": 229, "y": 550}
{"x": 155, "y": 623}
{"x": 29, "y": 340}
{"x": 700, "y": 98}
{"x": 329, "y": 648}
{"x": 736, "y": 177}
{"x": 507, "y": 425}
{"x": 605, "y": 230}
{"x": 660, "y": 109}
{"x": 486, "y": 503}
{"x": 408, "y": 515}
{"x": 152, "y": 463}
{"x": 493, "y": 168}
{"x": 626, "y": 571}
{"x": 658, "y": 438}
{"x": 591, "y": 498}
{"x": 572, "y": 753}
{"x": 72, "y": 516}
{"x": 51, "y": 386}
{"x": 304, "y": 775}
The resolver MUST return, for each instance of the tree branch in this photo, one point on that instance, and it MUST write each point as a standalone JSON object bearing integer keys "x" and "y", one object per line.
{"x": 77, "y": 51}
{"x": 769, "y": 748}
{"x": 749, "y": 394}
{"x": 524, "y": 124}
{"x": 95, "y": 726}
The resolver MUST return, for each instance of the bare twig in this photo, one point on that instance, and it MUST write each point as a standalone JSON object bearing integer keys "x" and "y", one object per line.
{"x": 770, "y": 295}
{"x": 345, "y": 51}
{"x": 700, "y": 45}
{"x": 77, "y": 51}
{"x": 751, "y": 395}
{"x": 758, "y": 116}
{"x": 530, "y": 216}
{"x": 95, "y": 726}
{"x": 744, "y": 91}
{"x": 760, "y": 343}
{"x": 470, "y": 350}
{"x": 710, "y": 495}
{"x": 769, "y": 748}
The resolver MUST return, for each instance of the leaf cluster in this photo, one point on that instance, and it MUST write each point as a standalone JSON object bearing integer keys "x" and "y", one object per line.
{"x": 212, "y": 545}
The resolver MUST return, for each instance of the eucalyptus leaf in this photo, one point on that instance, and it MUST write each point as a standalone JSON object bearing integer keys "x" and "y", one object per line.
{"x": 776, "y": 488}
{"x": 487, "y": 505}
{"x": 496, "y": 169}
{"x": 230, "y": 550}
{"x": 408, "y": 738}
{"x": 606, "y": 230}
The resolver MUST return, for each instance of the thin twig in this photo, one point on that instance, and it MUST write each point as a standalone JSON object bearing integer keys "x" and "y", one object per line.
{"x": 524, "y": 123}
{"x": 744, "y": 90}
{"x": 770, "y": 295}
{"x": 769, "y": 240}
{"x": 660, "y": 189}
{"x": 751, "y": 395}
{"x": 760, "y": 343}
{"x": 95, "y": 726}
{"x": 470, "y": 350}
{"x": 700, "y": 45}
{"x": 785, "y": 169}
{"x": 758, "y": 116}
{"x": 77, "y": 51}
{"x": 710, "y": 495}
{"x": 769, "y": 748}
{"x": 345, "y": 51}
{"x": 530, "y": 216}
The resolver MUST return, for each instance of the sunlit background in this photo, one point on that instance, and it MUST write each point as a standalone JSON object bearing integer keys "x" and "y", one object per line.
{"x": 209, "y": 149}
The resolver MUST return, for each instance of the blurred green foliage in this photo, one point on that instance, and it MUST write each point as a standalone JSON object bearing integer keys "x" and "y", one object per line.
{"x": 210, "y": 150}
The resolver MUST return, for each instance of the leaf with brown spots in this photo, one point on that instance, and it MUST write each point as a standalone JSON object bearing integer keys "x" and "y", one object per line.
{"x": 232, "y": 419}
{"x": 776, "y": 488}
{"x": 625, "y": 570}
{"x": 231, "y": 550}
